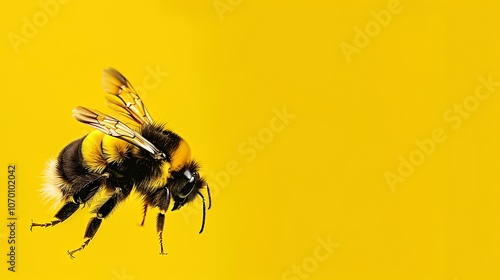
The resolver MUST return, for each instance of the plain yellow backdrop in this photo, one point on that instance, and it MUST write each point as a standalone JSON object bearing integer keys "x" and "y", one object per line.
{"x": 342, "y": 139}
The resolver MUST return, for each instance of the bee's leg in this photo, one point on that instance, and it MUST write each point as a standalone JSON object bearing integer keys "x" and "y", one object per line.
{"x": 102, "y": 212}
{"x": 80, "y": 197}
{"x": 164, "y": 201}
{"x": 144, "y": 211}
{"x": 160, "y": 221}
{"x": 67, "y": 210}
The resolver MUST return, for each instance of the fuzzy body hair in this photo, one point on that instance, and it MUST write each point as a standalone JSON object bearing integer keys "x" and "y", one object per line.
{"x": 51, "y": 190}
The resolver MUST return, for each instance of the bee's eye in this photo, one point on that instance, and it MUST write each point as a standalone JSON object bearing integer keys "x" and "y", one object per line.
{"x": 189, "y": 187}
{"x": 186, "y": 190}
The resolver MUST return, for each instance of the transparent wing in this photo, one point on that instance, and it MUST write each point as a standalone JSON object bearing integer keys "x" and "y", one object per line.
{"x": 123, "y": 98}
{"x": 115, "y": 128}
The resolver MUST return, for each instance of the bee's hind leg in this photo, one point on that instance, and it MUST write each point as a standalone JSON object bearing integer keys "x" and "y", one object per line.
{"x": 102, "y": 212}
{"x": 88, "y": 189}
{"x": 65, "y": 212}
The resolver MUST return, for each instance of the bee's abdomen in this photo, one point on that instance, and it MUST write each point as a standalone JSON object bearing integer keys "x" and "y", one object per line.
{"x": 70, "y": 161}
{"x": 99, "y": 150}
{"x": 61, "y": 173}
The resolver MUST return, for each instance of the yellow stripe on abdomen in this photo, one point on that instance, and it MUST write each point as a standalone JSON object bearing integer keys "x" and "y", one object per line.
{"x": 91, "y": 151}
{"x": 115, "y": 150}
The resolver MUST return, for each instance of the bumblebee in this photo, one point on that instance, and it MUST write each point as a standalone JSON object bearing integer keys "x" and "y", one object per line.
{"x": 117, "y": 158}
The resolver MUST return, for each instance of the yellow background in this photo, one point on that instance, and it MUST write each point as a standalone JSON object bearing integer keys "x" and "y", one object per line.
{"x": 321, "y": 176}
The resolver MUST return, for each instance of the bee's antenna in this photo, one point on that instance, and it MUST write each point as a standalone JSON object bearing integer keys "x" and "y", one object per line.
{"x": 209, "y": 198}
{"x": 204, "y": 212}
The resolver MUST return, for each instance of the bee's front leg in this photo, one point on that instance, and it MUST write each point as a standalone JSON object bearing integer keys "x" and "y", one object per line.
{"x": 162, "y": 196}
{"x": 144, "y": 211}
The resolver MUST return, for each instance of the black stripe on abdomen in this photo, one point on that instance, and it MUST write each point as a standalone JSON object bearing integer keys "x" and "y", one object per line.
{"x": 70, "y": 161}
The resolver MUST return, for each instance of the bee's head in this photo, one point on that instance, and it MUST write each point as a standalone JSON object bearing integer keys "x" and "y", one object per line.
{"x": 185, "y": 186}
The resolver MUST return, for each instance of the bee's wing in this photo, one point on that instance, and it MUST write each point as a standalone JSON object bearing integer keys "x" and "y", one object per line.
{"x": 115, "y": 128}
{"x": 123, "y": 98}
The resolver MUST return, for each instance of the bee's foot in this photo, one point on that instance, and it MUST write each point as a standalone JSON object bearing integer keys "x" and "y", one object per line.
{"x": 70, "y": 253}
{"x": 49, "y": 224}
{"x": 85, "y": 243}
